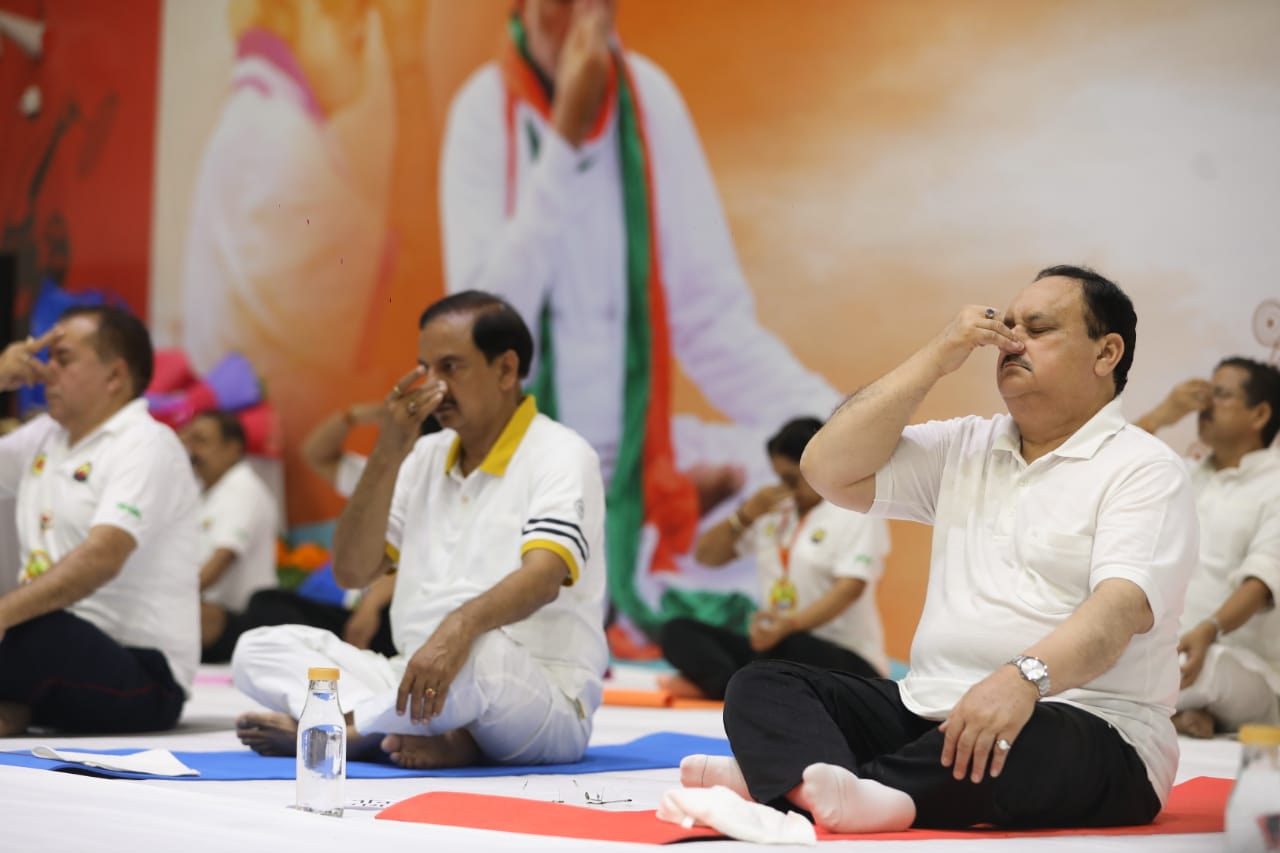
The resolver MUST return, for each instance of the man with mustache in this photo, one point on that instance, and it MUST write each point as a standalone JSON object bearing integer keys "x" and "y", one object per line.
{"x": 496, "y": 524}
{"x": 1230, "y": 643}
{"x": 1043, "y": 672}
{"x": 102, "y": 634}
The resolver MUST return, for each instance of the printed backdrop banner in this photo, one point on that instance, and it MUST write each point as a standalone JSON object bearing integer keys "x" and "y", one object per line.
{"x": 877, "y": 166}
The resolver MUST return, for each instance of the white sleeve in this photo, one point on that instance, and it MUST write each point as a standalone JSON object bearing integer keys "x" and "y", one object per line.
{"x": 514, "y": 258}
{"x": 862, "y": 543}
{"x": 566, "y": 510}
{"x": 233, "y": 524}
{"x": 347, "y": 477}
{"x": 1262, "y": 560}
{"x": 907, "y": 486}
{"x": 18, "y": 451}
{"x": 1148, "y": 533}
{"x": 715, "y": 332}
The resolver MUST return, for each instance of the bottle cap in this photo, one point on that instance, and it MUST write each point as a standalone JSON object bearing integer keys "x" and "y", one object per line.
{"x": 1256, "y": 735}
{"x": 322, "y": 673}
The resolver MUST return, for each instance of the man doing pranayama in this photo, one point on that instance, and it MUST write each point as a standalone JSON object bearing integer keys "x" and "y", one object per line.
{"x": 1044, "y": 671}
{"x": 496, "y": 524}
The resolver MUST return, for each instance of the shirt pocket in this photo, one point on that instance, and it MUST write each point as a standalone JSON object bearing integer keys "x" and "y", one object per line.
{"x": 1053, "y": 575}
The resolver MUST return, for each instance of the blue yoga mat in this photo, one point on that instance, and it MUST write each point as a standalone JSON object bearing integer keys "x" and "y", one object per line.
{"x": 651, "y": 752}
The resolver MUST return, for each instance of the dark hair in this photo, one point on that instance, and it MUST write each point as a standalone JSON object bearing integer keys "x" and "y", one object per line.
{"x": 790, "y": 441}
{"x": 120, "y": 335}
{"x": 1262, "y": 385}
{"x": 497, "y": 327}
{"x": 1107, "y": 309}
{"x": 229, "y": 427}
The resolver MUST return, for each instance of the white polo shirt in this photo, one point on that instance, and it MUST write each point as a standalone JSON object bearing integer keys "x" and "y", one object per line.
{"x": 239, "y": 513}
{"x": 456, "y": 537}
{"x": 828, "y": 543}
{"x": 1017, "y": 548}
{"x": 131, "y": 473}
{"x": 1239, "y": 538}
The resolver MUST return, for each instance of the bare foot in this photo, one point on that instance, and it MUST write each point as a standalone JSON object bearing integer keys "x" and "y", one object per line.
{"x": 14, "y": 718}
{"x": 1194, "y": 722}
{"x": 680, "y": 687}
{"x": 268, "y": 732}
{"x": 706, "y": 771}
{"x": 422, "y": 752}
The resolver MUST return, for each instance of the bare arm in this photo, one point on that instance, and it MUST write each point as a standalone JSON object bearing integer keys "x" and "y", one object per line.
{"x": 1085, "y": 645}
{"x": 215, "y": 567}
{"x": 86, "y": 567}
{"x": 1249, "y": 598}
{"x": 841, "y": 461}
{"x": 843, "y": 593}
{"x": 366, "y": 618}
{"x": 719, "y": 544}
{"x": 1186, "y": 397}
{"x": 403, "y": 31}
{"x": 359, "y": 541}
{"x": 322, "y": 448}
{"x": 518, "y": 596}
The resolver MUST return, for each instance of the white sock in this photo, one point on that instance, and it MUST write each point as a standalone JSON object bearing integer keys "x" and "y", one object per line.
{"x": 841, "y": 802}
{"x": 706, "y": 771}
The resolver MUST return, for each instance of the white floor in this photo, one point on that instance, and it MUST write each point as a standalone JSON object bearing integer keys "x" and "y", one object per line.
{"x": 46, "y": 811}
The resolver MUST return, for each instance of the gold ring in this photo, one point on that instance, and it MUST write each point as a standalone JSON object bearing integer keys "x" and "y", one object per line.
{"x": 1003, "y": 745}
{"x": 395, "y": 392}
{"x": 430, "y": 692}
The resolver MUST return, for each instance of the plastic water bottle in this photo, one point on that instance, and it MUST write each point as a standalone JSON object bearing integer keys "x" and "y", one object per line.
{"x": 322, "y": 746}
{"x": 1253, "y": 812}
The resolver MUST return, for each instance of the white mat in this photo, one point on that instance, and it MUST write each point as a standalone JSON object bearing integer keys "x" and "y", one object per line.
{"x": 53, "y": 812}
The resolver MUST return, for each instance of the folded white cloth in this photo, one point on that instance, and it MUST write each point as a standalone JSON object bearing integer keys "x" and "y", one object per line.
{"x": 154, "y": 762}
{"x": 724, "y": 811}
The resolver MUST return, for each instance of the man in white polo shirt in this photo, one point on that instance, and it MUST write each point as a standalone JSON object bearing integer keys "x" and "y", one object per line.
{"x": 496, "y": 524}
{"x": 238, "y": 523}
{"x": 1230, "y": 644}
{"x": 1043, "y": 671}
{"x": 101, "y": 635}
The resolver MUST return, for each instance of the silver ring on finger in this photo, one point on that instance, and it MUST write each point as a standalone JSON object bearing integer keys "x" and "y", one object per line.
{"x": 413, "y": 407}
{"x": 1003, "y": 745}
{"x": 990, "y": 313}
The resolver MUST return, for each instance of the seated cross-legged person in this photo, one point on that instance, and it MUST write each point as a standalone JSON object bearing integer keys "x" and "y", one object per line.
{"x": 102, "y": 634}
{"x": 1230, "y": 644}
{"x": 818, "y": 568}
{"x": 497, "y": 525}
{"x": 238, "y": 522}
{"x": 1044, "y": 668}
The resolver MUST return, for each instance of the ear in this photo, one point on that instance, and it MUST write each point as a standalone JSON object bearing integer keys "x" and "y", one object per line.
{"x": 1260, "y": 416}
{"x": 1110, "y": 352}
{"x": 508, "y": 365}
{"x": 118, "y": 379}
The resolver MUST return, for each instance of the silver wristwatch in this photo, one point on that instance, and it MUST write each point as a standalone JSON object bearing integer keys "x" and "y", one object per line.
{"x": 1035, "y": 671}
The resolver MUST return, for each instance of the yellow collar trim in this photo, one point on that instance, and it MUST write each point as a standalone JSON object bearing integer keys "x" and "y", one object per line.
{"x": 499, "y": 456}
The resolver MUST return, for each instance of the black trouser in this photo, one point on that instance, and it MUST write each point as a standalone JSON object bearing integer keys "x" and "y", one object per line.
{"x": 1068, "y": 768}
{"x": 281, "y": 607}
{"x": 76, "y": 678}
{"x": 709, "y": 656}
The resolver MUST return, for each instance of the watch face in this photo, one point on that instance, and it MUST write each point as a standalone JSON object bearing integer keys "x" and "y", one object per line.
{"x": 1033, "y": 669}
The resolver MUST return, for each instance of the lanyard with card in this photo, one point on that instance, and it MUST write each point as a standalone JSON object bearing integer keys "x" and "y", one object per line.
{"x": 782, "y": 594}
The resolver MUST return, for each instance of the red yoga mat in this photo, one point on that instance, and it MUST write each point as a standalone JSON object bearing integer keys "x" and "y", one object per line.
{"x": 1196, "y": 805}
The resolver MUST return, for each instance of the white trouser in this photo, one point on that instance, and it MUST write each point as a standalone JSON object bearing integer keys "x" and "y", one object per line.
{"x": 502, "y": 697}
{"x": 1234, "y": 694}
